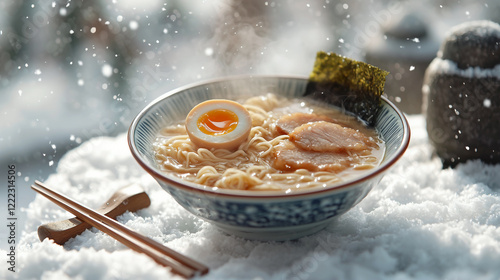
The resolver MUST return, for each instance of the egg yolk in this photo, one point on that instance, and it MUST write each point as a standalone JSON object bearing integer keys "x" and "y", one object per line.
{"x": 218, "y": 122}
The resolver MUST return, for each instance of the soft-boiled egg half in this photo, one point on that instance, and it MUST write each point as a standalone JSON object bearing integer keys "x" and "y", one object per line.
{"x": 218, "y": 123}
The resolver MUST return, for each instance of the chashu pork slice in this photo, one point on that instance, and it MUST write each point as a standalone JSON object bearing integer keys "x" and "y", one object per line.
{"x": 287, "y": 123}
{"x": 329, "y": 137}
{"x": 288, "y": 157}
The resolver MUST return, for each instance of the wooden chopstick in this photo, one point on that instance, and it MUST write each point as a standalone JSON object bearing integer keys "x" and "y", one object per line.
{"x": 179, "y": 264}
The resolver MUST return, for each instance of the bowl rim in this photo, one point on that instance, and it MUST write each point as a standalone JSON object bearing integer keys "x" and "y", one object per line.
{"x": 260, "y": 194}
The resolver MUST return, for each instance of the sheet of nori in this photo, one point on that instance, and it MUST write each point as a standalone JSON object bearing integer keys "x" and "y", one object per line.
{"x": 352, "y": 85}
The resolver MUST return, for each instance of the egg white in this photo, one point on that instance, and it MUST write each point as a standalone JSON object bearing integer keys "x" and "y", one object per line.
{"x": 228, "y": 141}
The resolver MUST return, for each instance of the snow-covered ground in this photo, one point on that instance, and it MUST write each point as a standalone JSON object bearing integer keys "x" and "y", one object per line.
{"x": 71, "y": 72}
{"x": 420, "y": 222}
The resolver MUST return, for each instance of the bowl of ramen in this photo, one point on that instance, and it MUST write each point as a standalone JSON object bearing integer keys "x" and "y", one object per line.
{"x": 256, "y": 158}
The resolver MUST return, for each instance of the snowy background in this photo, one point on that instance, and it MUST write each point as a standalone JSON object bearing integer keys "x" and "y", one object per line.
{"x": 71, "y": 71}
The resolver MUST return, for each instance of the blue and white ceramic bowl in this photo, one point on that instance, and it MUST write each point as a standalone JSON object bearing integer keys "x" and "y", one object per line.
{"x": 263, "y": 215}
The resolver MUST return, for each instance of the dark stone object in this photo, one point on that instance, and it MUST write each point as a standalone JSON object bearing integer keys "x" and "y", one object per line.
{"x": 462, "y": 118}
{"x": 409, "y": 26}
{"x": 462, "y": 105}
{"x": 474, "y": 45}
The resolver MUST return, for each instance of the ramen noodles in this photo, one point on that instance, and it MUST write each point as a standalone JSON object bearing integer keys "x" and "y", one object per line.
{"x": 291, "y": 144}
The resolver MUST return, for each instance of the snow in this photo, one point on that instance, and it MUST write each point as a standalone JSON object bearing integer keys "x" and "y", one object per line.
{"x": 65, "y": 87}
{"x": 420, "y": 222}
{"x": 445, "y": 66}
{"x": 483, "y": 28}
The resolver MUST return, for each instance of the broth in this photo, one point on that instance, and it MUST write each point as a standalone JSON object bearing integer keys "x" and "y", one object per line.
{"x": 293, "y": 144}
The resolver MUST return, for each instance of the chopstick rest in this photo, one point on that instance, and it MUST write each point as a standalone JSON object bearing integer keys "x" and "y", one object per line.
{"x": 130, "y": 198}
{"x": 177, "y": 262}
